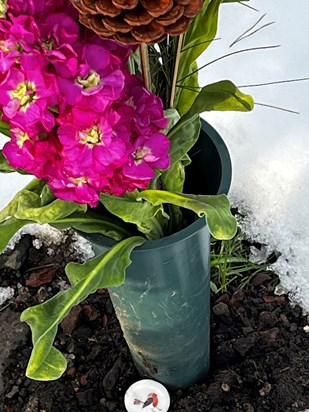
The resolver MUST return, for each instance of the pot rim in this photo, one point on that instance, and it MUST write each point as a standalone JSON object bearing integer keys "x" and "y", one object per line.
{"x": 224, "y": 155}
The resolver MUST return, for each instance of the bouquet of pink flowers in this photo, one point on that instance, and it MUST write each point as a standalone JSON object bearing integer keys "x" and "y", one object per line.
{"x": 78, "y": 119}
{"x": 104, "y": 123}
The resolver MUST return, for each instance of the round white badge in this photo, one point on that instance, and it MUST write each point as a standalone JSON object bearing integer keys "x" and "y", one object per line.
{"x": 147, "y": 395}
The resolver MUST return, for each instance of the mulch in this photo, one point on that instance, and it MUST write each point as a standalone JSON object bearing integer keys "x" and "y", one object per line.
{"x": 260, "y": 347}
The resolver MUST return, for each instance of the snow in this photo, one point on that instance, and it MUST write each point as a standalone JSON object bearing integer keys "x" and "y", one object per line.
{"x": 269, "y": 148}
{"x": 6, "y": 294}
{"x": 49, "y": 236}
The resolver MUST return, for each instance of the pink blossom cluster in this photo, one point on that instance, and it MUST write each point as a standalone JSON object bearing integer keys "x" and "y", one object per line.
{"x": 78, "y": 119}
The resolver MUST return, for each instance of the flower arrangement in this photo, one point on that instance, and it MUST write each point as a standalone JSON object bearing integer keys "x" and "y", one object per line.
{"x": 104, "y": 119}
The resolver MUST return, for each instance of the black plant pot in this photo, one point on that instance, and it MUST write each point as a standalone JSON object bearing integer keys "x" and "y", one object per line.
{"x": 163, "y": 305}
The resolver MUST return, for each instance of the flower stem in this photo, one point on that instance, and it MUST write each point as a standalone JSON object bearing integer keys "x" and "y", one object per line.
{"x": 175, "y": 73}
{"x": 145, "y": 66}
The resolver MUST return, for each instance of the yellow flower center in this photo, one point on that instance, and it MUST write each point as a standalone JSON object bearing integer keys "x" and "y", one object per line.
{"x": 92, "y": 80}
{"x": 2, "y": 9}
{"x": 2, "y": 43}
{"x": 21, "y": 138}
{"x": 79, "y": 181}
{"x": 49, "y": 44}
{"x": 140, "y": 153}
{"x": 91, "y": 136}
{"x": 25, "y": 92}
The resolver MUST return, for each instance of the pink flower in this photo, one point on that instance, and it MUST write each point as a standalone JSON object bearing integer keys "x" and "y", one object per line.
{"x": 7, "y": 60}
{"x": 98, "y": 80}
{"x": 40, "y": 8}
{"x": 60, "y": 28}
{"x": 28, "y": 92}
{"x": 78, "y": 118}
{"x": 74, "y": 188}
{"x": 24, "y": 30}
{"x": 148, "y": 107}
{"x": 148, "y": 153}
{"x": 27, "y": 150}
{"x": 90, "y": 141}
{"x": 59, "y": 33}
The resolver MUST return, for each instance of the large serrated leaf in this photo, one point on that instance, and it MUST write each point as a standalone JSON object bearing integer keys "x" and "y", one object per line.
{"x": 46, "y": 362}
{"x": 216, "y": 209}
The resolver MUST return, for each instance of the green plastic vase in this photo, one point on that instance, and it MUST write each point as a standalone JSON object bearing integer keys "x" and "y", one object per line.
{"x": 163, "y": 306}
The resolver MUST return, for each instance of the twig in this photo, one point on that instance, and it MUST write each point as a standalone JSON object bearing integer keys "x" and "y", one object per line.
{"x": 175, "y": 73}
{"x": 145, "y": 65}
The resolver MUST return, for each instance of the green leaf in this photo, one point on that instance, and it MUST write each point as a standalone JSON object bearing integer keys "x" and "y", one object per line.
{"x": 173, "y": 116}
{"x": 50, "y": 212}
{"x": 149, "y": 219}
{"x": 216, "y": 209}
{"x": 173, "y": 179}
{"x": 93, "y": 223}
{"x": 46, "y": 362}
{"x": 201, "y": 32}
{"x": 183, "y": 136}
{"x": 24, "y": 198}
{"x": 221, "y": 96}
{"x": 35, "y": 185}
{"x": 26, "y": 208}
{"x": 199, "y": 36}
{"x": 8, "y": 228}
{"x": 187, "y": 90}
{"x": 47, "y": 196}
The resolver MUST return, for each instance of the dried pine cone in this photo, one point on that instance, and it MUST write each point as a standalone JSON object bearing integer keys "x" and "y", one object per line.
{"x": 137, "y": 21}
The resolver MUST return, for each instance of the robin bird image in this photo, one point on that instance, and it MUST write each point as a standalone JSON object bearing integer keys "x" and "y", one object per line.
{"x": 151, "y": 400}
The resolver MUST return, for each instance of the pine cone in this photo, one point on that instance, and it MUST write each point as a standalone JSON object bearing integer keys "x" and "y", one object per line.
{"x": 137, "y": 21}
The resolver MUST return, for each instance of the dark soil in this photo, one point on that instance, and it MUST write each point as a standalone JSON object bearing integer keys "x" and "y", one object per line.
{"x": 260, "y": 350}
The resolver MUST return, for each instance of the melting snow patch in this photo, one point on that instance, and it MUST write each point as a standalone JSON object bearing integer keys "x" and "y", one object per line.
{"x": 49, "y": 236}
{"x": 5, "y": 294}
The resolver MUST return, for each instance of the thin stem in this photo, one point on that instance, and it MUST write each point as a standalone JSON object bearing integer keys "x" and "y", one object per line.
{"x": 276, "y": 107}
{"x": 175, "y": 73}
{"x": 228, "y": 55}
{"x": 245, "y": 36}
{"x": 191, "y": 89}
{"x": 145, "y": 66}
{"x": 202, "y": 42}
{"x": 276, "y": 82}
{"x": 246, "y": 5}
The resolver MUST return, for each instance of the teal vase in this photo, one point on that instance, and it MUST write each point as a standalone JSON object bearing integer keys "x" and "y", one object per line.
{"x": 164, "y": 304}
